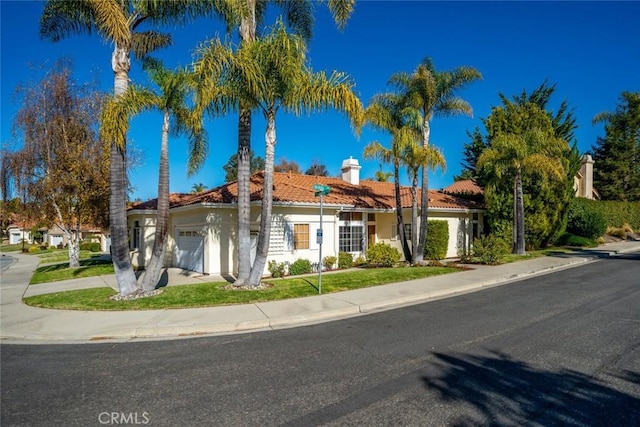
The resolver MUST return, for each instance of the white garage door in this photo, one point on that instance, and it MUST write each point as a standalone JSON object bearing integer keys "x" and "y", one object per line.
{"x": 55, "y": 240}
{"x": 190, "y": 250}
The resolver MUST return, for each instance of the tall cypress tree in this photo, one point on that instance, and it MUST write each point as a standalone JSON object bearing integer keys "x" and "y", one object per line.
{"x": 616, "y": 174}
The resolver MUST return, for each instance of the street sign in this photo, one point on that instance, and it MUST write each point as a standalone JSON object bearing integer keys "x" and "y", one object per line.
{"x": 319, "y": 236}
{"x": 321, "y": 189}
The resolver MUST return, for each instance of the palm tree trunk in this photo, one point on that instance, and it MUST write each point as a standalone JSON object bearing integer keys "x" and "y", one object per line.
{"x": 154, "y": 268}
{"x": 244, "y": 197}
{"x": 118, "y": 184}
{"x": 267, "y": 203}
{"x": 400, "y": 221}
{"x": 424, "y": 199}
{"x": 247, "y": 33}
{"x": 519, "y": 215}
{"x": 414, "y": 217}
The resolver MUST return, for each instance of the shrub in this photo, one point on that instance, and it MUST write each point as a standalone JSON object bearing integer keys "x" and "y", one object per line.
{"x": 345, "y": 260}
{"x": 277, "y": 269}
{"x": 617, "y": 232}
{"x": 435, "y": 247}
{"x": 568, "y": 239}
{"x": 300, "y": 266}
{"x": 33, "y": 249}
{"x": 359, "y": 261}
{"x": 584, "y": 220}
{"x": 329, "y": 262}
{"x": 90, "y": 246}
{"x": 490, "y": 249}
{"x": 382, "y": 255}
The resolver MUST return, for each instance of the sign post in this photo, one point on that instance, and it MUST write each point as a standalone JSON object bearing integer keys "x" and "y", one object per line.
{"x": 320, "y": 190}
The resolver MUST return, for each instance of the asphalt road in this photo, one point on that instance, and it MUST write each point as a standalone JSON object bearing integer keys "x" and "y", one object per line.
{"x": 560, "y": 349}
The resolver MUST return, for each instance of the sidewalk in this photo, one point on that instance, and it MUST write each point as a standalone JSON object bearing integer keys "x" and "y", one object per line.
{"x": 20, "y": 323}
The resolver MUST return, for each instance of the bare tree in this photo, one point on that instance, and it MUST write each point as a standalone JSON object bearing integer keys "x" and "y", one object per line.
{"x": 63, "y": 164}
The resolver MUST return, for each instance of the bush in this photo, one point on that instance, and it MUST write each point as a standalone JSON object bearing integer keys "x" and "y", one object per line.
{"x": 90, "y": 246}
{"x": 277, "y": 269}
{"x": 329, "y": 262}
{"x": 437, "y": 243}
{"x": 345, "y": 260}
{"x": 568, "y": 239}
{"x": 33, "y": 249}
{"x": 300, "y": 266}
{"x": 585, "y": 221}
{"x": 617, "y": 232}
{"x": 490, "y": 249}
{"x": 382, "y": 255}
{"x": 359, "y": 261}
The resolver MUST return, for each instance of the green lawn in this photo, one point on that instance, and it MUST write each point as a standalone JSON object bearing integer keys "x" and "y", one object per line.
{"x": 214, "y": 294}
{"x": 12, "y": 248}
{"x": 60, "y": 255}
{"x": 56, "y": 272}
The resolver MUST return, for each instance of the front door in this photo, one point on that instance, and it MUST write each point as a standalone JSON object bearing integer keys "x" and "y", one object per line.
{"x": 371, "y": 235}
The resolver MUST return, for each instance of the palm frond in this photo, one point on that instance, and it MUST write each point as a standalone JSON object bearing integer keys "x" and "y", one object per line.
{"x": 62, "y": 18}
{"x": 143, "y": 43}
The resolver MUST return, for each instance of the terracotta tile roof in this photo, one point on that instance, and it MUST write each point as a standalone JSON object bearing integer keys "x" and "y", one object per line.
{"x": 464, "y": 186}
{"x": 175, "y": 199}
{"x": 298, "y": 188}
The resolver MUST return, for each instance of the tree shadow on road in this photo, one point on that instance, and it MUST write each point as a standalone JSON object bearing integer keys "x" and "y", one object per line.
{"x": 505, "y": 391}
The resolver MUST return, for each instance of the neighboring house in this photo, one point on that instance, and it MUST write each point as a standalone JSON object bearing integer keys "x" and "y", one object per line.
{"x": 17, "y": 233}
{"x": 466, "y": 187}
{"x": 356, "y": 215}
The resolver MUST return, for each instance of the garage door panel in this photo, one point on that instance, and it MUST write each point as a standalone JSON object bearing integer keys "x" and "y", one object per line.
{"x": 190, "y": 251}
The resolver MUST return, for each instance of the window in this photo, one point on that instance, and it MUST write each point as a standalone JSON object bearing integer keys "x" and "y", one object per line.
{"x": 350, "y": 239}
{"x": 135, "y": 244}
{"x": 300, "y": 236}
{"x": 371, "y": 217}
{"x": 350, "y": 216}
{"x": 407, "y": 232}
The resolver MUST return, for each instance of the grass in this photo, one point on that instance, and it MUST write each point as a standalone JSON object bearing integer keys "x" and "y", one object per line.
{"x": 59, "y": 255}
{"x": 12, "y": 248}
{"x": 61, "y": 271}
{"x": 214, "y": 294}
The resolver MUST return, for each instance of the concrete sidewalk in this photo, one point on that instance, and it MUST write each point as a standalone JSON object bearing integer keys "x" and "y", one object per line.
{"x": 20, "y": 323}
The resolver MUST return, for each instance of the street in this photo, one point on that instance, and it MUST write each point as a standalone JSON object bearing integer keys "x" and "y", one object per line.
{"x": 558, "y": 349}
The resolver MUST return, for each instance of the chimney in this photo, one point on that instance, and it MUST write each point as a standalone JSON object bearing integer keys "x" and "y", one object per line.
{"x": 351, "y": 171}
{"x": 586, "y": 170}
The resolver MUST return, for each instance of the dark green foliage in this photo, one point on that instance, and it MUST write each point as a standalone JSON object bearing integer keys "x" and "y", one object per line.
{"x": 568, "y": 239}
{"x": 490, "y": 249}
{"x": 345, "y": 260}
{"x": 300, "y": 266}
{"x": 615, "y": 213}
{"x": 382, "y": 255}
{"x": 545, "y": 200}
{"x": 329, "y": 262}
{"x": 256, "y": 164}
{"x": 585, "y": 220}
{"x": 277, "y": 269}
{"x": 437, "y": 241}
{"x": 616, "y": 173}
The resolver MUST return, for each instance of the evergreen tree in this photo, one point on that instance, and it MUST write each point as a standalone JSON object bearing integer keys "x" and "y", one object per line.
{"x": 617, "y": 155}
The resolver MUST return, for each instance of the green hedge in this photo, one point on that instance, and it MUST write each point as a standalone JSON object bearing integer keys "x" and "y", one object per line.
{"x": 382, "y": 255}
{"x": 615, "y": 213}
{"x": 435, "y": 247}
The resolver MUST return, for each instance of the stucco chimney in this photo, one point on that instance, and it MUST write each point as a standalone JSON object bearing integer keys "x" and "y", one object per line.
{"x": 351, "y": 171}
{"x": 586, "y": 170}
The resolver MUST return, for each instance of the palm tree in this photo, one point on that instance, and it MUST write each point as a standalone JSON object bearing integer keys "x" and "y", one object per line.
{"x": 387, "y": 112}
{"x": 198, "y": 188}
{"x": 247, "y": 15}
{"x": 118, "y": 21}
{"x": 511, "y": 155}
{"x": 283, "y": 81}
{"x": 432, "y": 93}
{"x": 175, "y": 87}
{"x": 416, "y": 158}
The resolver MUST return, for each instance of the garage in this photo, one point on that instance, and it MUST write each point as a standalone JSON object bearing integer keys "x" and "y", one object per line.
{"x": 190, "y": 250}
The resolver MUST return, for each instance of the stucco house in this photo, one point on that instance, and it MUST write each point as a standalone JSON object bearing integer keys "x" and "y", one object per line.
{"x": 355, "y": 215}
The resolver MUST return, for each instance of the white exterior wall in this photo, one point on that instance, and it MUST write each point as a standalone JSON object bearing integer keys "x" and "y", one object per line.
{"x": 219, "y": 224}
{"x": 140, "y": 256}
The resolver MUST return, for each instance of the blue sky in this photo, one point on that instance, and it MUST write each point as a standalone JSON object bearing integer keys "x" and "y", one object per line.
{"x": 588, "y": 49}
